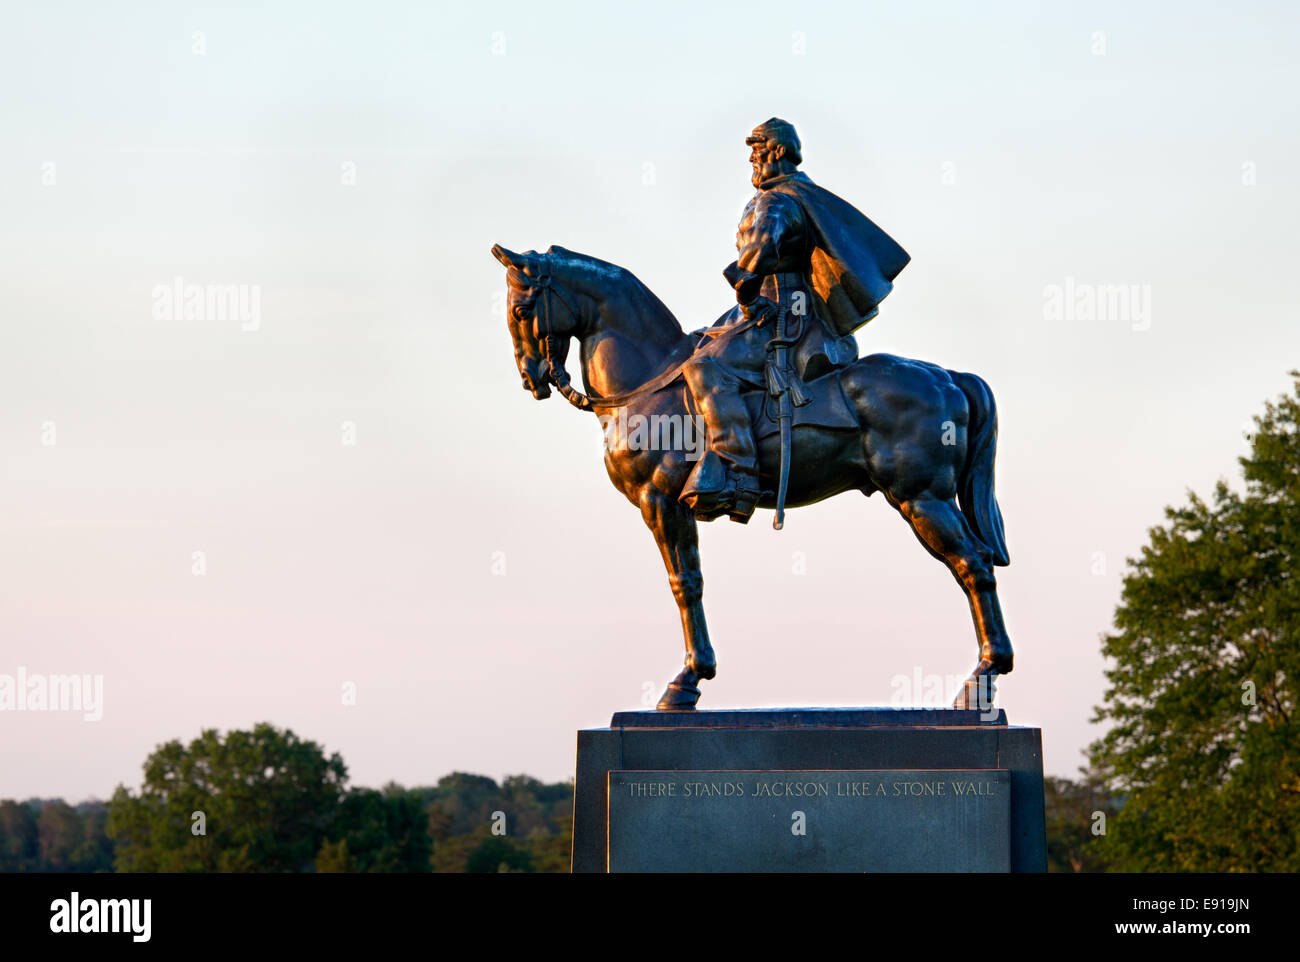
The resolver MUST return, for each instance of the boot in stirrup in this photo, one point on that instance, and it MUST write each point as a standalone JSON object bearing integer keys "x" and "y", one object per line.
{"x": 712, "y": 491}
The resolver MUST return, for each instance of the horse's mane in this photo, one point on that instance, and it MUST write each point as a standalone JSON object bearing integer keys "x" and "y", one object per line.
{"x": 602, "y": 274}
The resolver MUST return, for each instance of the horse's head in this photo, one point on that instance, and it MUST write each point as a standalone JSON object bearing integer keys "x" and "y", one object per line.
{"x": 557, "y": 296}
{"x": 522, "y": 273}
{"x": 542, "y": 321}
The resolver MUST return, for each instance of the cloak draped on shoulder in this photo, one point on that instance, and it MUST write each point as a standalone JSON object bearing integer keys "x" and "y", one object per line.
{"x": 853, "y": 262}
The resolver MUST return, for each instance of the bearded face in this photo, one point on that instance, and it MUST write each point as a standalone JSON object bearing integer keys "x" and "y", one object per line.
{"x": 765, "y": 158}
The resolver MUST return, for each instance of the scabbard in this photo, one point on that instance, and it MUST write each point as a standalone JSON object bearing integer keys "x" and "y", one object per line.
{"x": 778, "y": 522}
{"x": 779, "y": 358}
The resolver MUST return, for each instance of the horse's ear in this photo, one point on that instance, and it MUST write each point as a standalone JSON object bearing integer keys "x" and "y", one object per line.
{"x": 507, "y": 258}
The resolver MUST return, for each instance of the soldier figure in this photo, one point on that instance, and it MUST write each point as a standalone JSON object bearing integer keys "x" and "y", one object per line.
{"x": 810, "y": 270}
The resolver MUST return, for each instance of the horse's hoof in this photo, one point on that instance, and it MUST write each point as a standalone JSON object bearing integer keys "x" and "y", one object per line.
{"x": 679, "y": 697}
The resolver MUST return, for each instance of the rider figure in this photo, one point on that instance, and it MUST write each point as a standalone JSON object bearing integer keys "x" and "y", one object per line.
{"x": 807, "y": 257}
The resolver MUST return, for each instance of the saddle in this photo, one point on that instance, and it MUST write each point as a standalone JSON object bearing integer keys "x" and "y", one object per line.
{"x": 818, "y": 359}
{"x": 829, "y": 407}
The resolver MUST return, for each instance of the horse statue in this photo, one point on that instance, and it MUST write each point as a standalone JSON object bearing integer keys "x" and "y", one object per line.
{"x": 924, "y": 436}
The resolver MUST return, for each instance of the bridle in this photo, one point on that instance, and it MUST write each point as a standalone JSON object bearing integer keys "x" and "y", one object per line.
{"x": 545, "y": 331}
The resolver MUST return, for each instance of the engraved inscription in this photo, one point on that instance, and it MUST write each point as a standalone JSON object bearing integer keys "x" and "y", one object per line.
{"x": 889, "y": 787}
{"x": 847, "y": 821}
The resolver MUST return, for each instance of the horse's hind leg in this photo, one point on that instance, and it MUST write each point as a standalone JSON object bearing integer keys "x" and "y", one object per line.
{"x": 942, "y": 528}
{"x": 673, "y": 526}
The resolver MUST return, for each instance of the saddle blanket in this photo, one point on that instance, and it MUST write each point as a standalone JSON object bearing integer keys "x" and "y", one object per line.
{"x": 829, "y": 408}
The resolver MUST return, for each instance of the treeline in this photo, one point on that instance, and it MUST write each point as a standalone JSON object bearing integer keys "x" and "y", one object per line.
{"x": 266, "y": 801}
{"x": 49, "y": 835}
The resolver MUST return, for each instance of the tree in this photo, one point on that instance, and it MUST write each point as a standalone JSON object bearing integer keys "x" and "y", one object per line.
{"x": 260, "y": 801}
{"x": 19, "y": 838}
{"x": 383, "y": 832}
{"x": 552, "y": 853}
{"x": 333, "y": 858}
{"x": 95, "y": 853}
{"x": 1078, "y": 815}
{"x": 49, "y": 835}
{"x": 496, "y": 853}
{"x": 1206, "y": 661}
{"x": 462, "y": 810}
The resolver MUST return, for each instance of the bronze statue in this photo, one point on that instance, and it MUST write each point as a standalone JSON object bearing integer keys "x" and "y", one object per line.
{"x": 790, "y": 413}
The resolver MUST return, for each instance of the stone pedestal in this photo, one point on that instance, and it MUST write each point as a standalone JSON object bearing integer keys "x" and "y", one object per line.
{"x": 809, "y": 790}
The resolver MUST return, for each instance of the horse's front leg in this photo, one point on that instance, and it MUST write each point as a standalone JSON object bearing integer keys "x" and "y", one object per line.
{"x": 673, "y": 526}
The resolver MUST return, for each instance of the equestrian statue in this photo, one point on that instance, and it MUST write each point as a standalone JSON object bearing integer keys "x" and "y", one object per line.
{"x": 791, "y": 415}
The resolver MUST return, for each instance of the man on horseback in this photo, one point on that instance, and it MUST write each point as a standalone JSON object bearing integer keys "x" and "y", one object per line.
{"x": 810, "y": 270}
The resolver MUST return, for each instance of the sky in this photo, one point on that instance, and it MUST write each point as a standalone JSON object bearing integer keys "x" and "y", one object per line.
{"x": 338, "y": 512}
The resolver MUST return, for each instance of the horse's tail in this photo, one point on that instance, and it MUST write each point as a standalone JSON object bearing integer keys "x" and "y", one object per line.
{"x": 975, "y": 486}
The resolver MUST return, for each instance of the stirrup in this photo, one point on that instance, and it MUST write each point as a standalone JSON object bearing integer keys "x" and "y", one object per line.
{"x": 732, "y": 499}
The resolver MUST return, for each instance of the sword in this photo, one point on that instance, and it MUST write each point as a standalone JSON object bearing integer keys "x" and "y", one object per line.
{"x": 779, "y": 387}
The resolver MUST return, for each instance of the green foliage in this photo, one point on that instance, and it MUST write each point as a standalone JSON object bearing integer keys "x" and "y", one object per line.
{"x": 538, "y": 820}
{"x": 1202, "y": 696}
{"x": 267, "y": 799}
{"x": 383, "y": 832}
{"x": 1074, "y": 828}
{"x": 333, "y": 858}
{"x": 19, "y": 843}
{"x": 271, "y": 802}
{"x": 553, "y": 852}
{"x": 52, "y": 836}
{"x": 496, "y": 853}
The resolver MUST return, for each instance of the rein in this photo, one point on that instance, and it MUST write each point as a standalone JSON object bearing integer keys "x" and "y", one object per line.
{"x": 547, "y": 334}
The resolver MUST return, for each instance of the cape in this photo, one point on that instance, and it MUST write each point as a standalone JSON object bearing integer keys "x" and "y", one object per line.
{"x": 853, "y": 262}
